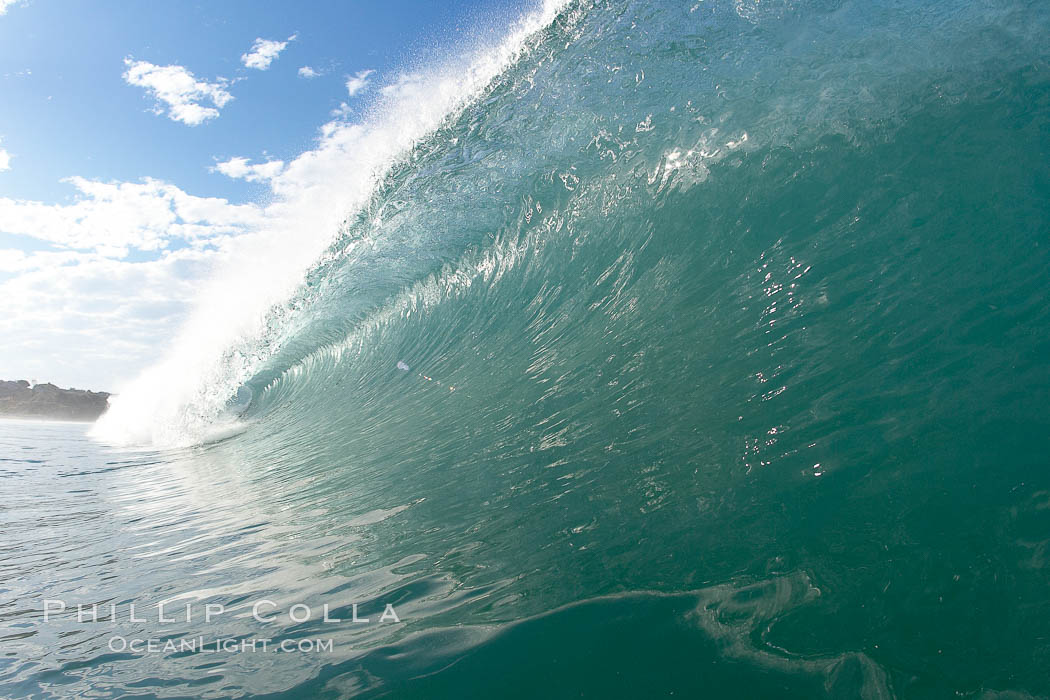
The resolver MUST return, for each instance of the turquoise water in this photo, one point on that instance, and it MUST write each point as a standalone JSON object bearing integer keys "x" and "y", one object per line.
{"x": 727, "y": 332}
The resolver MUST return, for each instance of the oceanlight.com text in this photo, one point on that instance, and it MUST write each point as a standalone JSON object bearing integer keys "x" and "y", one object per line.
{"x": 200, "y": 645}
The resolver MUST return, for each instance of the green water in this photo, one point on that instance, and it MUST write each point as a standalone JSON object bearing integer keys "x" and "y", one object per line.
{"x": 727, "y": 335}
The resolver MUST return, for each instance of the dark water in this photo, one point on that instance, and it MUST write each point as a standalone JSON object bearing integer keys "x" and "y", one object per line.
{"x": 728, "y": 333}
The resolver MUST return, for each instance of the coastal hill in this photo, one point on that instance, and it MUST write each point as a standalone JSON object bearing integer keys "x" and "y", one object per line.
{"x": 20, "y": 399}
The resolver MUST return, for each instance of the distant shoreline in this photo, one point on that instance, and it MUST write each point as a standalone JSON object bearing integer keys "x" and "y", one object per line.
{"x": 20, "y": 399}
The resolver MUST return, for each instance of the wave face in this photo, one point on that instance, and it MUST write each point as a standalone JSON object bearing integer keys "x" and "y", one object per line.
{"x": 711, "y": 330}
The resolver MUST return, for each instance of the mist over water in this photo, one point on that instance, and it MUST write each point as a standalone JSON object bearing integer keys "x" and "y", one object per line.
{"x": 680, "y": 347}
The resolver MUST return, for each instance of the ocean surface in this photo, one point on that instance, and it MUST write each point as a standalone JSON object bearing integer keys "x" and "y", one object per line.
{"x": 694, "y": 348}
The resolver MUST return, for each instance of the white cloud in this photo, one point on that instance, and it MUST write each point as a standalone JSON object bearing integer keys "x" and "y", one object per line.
{"x": 342, "y": 112}
{"x": 179, "y": 90}
{"x": 264, "y": 52}
{"x": 357, "y": 82}
{"x": 5, "y": 157}
{"x": 354, "y": 84}
{"x": 406, "y": 86}
{"x": 84, "y": 292}
{"x": 110, "y": 218}
{"x": 4, "y": 4}
{"x": 240, "y": 168}
{"x": 84, "y": 320}
{"x": 305, "y": 71}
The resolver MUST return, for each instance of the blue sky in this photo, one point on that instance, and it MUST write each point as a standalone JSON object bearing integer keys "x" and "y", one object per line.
{"x": 137, "y": 140}
{"x": 67, "y": 111}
